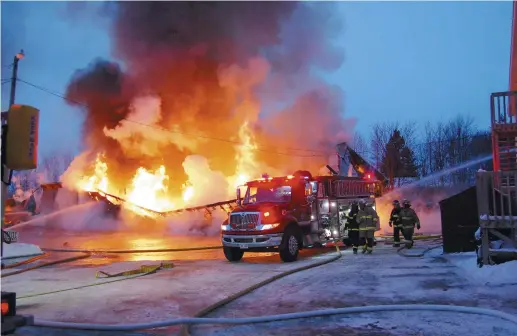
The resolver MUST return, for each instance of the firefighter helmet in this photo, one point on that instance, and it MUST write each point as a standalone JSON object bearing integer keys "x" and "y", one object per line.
{"x": 407, "y": 203}
{"x": 396, "y": 202}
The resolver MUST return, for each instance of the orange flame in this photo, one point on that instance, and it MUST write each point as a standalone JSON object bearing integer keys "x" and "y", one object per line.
{"x": 149, "y": 190}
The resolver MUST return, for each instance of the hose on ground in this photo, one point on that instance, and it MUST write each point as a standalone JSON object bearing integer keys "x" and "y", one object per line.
{"x": 50, "y": 263}
{"x": 28, "y": 261}
{"x": 150, "y": 270}
{"x": 186, "y": 249}
{"x": 281, "y": 317}
{"x": 203, "y": 312}
{"x": 133, "y": 251}
{"x": 419, "y": 255}
{"x": 185, "y": 330}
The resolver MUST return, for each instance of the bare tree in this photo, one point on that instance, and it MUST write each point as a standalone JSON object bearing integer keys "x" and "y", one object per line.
{"x": 379, "y": 137}
{"x": 359, "y": 145}
{"x": 53, "y": 166}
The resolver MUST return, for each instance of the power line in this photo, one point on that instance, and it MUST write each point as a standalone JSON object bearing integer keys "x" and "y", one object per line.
{"x": 263, "y": 149}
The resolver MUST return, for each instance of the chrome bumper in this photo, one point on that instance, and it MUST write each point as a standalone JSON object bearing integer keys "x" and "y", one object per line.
{"x": 245, "y": 242}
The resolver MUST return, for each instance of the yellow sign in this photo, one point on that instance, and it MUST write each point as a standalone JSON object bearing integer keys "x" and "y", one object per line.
{"x": 22, "y": 137}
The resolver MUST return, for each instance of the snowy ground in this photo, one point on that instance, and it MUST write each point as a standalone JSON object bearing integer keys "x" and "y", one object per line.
{"x": 14, "y": 251}
{"x": 382, "y": 278}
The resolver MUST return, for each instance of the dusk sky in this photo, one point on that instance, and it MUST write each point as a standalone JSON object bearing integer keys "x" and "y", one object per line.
{"x": 404, "y": 60}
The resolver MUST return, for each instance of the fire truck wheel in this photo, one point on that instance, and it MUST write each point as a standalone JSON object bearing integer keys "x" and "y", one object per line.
{"x": 233, "y": 253}
{"x": 289, "y": 247}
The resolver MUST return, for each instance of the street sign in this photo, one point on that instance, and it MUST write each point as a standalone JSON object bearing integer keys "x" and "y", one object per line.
{"x": 10, "y": 236}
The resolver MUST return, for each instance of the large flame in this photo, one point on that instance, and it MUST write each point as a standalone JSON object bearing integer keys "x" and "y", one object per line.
{"x": 149, "y": 190}
{"x": 99, "y": 180}
{"x": 245, "y": 158}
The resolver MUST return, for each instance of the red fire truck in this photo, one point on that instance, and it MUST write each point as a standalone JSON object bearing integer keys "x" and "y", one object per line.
{"x": 288, "y": 213}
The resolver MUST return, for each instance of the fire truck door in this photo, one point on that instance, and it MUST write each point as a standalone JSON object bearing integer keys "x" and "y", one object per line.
{"x": 299, "y": 206}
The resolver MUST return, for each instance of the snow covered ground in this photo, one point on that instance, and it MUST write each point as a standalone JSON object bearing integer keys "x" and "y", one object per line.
{"x": 382, "y": 278}
{"x": 20, "y": 250}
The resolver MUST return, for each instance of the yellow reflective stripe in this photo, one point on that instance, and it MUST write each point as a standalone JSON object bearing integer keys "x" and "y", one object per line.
{"x": 368, "y": 228}
{"x": 353, "y": 229}
{"x": 407, "y": 217}
{"x": 375, "y": 219}
{"x": 363, "y": 217}
{"x": 408, "y": 226}
{"x": 395, "y": 216}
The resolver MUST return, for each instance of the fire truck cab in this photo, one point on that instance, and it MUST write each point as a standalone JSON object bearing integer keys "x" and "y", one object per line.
{"x": 285, "y": 214}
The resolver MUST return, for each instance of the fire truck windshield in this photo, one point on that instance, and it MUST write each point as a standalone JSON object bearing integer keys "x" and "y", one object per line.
{"x": 259, "y": 194}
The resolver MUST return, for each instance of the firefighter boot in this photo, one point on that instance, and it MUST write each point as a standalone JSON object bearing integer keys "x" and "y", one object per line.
{"x": 369, "y": 250}
{"x": 355, "y": 249}
{"x": 364, "y": 249}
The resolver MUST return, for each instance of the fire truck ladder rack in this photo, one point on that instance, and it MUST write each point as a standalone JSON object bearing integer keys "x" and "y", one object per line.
{"x": 208, "y": 209}
{"x": 497, "y": 209}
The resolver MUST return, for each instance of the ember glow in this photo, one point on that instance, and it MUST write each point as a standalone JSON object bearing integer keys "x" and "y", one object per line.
{"x": 208, "y": 96}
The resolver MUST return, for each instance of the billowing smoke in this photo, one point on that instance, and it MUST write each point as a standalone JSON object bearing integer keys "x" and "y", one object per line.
{"x": 197, "y": 71}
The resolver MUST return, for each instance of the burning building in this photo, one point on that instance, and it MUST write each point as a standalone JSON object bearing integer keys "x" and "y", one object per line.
{"x": 206, "y": 96}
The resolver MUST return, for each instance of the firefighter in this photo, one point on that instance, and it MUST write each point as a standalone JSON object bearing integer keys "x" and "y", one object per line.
{"x": 353, "y": 226}
{"x": 367, "y": 219}
{"x": 409, "y": 220}
{"x": 396, "y": 223}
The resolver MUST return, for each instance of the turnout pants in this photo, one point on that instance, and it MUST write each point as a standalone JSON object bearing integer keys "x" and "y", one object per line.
{"x": 366, "y": 239}
{"x": 408, "y": 234}
{"x": 354, "y": 238}
{"x": 397, "y": 230}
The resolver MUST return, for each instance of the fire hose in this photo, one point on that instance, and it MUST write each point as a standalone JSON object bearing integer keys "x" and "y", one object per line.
{"x": 198, "y": 319}
{"x": 50, "y": 263}
{"x": 280, "y": 317}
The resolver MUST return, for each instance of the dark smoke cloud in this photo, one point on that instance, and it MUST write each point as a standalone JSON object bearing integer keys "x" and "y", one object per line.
{"x": 103, "y": 91}
{"x": 178, "y": 50}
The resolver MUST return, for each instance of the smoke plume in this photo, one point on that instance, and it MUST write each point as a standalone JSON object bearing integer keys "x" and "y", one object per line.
{"x": 196, "y": 71}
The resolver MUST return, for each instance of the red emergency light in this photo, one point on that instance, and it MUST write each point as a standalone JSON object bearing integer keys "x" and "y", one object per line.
{"x": 8, "y": 304}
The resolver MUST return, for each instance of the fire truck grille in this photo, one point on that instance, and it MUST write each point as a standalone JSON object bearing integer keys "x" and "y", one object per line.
{"x": 244, "y": 221}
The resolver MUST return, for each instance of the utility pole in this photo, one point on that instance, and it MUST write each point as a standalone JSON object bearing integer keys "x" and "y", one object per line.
{"x": 6, "y": 173}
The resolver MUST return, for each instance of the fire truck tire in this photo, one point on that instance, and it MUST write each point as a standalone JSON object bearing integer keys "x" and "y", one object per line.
{"x": 233, "y": 254}
{"x": 290, "y": 246}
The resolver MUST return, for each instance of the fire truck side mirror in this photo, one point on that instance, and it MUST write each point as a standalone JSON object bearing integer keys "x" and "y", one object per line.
{"x": 239, "y": 196}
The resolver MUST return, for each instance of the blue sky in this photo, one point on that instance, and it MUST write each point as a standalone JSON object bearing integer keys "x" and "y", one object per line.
{"x": 404, "y": 60}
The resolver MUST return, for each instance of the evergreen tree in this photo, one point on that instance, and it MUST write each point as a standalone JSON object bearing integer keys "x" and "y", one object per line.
{"x": 398, "y": 160}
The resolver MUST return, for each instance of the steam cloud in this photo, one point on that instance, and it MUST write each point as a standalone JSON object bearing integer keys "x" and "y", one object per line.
{"x": 203, "y": 68}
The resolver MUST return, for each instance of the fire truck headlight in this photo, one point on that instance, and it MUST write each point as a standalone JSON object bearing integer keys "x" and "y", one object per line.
{"x": 333, "y": 204}
{"x": 225, "y": 228}
{"x": 266, "y": 214}
{"x": 312, "y": 217}
{"x": 267, "y": 226}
